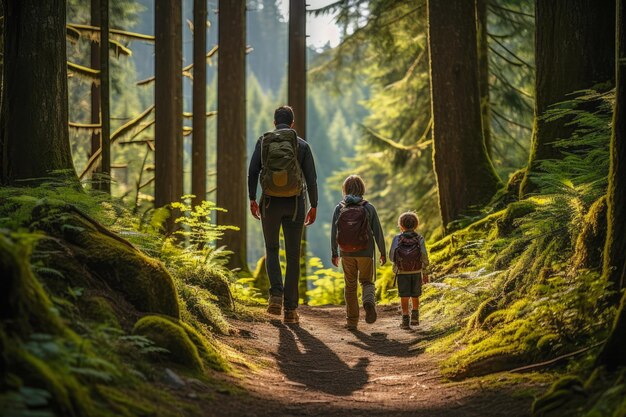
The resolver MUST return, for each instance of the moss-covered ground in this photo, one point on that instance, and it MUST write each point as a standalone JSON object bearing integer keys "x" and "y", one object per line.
{"x": 102, "y": 315}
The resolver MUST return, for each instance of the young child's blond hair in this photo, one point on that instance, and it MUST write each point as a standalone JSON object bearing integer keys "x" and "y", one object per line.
{"x": 408, "y": 220}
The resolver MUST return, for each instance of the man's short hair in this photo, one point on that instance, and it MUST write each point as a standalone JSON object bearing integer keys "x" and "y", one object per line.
{"x": 283, "y": 115}
{"x": 353, "y": 185}
{"x": 409, "y": 220}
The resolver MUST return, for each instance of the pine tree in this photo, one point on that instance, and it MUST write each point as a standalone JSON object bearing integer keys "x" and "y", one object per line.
{"x": 198, "y": 145}
{"x": 465, "y": 176}
{"x": 615, "y": 250}
{"x": 34, "y": 137}
{"x": 574, "y": 50}
{"x": 168, "y": 95}
{"x": 231, "y": 127}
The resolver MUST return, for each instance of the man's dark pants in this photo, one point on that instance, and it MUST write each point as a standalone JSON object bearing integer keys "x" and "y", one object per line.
{"x": 277, "y": 212}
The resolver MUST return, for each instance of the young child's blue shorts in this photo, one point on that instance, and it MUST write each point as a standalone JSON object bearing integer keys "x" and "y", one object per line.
{"x": 410, "y": 285}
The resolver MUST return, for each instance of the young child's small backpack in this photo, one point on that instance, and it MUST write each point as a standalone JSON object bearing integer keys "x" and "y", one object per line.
{"x": 408, "y": 255}
{"x": 353, "y": 228}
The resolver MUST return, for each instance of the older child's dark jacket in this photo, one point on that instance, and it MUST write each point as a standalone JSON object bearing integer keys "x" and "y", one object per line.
{"x": 377, "y": 231}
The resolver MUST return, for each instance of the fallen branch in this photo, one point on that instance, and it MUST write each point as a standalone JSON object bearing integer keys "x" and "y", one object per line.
{"x": 555, "y": 360}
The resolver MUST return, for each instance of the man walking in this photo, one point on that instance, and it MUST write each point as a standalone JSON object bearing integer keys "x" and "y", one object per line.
{"x": 283, "y": 163}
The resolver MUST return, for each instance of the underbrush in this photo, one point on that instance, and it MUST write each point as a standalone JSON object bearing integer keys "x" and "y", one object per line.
{"x": 522, "y": 284}
{"x": 100, "y": 301}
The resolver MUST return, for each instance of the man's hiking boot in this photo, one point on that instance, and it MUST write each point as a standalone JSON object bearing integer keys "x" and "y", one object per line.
{"x": 370, "y": 312}
{"x": 291, "y": 317}
{"x": 415, "y": 317}
{"x": 406, "y": 322}
{"x": 275, "y": 305}
{"x": 351, "y": 327}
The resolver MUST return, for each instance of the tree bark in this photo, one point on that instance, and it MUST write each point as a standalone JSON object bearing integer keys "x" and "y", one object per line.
{"x": 615, "y": 248}
{"x": 105, "y": 119}
{"x": 198, "y": 123}
{"x": 34, "y": 132}
{"x": 483, "y": 71}
{"x": 169, "y": 105}
{"x": 296, "y": 92}
{"x": 574, "y": 50}
{"x": 95, "y": 87}
{"x": 231, "y": 127}
{"x": 465, "y": 176}
{"x": 612, "y": 354}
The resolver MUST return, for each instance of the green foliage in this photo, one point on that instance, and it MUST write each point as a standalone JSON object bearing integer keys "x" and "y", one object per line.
{"x": 525, "y": 303}
{"x": 328, "y": 284}
{"x": 385, "y": 46}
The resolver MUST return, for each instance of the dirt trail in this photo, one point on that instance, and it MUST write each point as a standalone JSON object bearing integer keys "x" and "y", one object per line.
{"x": 320, "y": 368}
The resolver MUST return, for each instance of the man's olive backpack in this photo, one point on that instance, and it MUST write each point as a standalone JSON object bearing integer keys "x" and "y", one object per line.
{"x": 353, "y": 227}
{"x": 408, "y": 255}
{"x": 281, "y": 175}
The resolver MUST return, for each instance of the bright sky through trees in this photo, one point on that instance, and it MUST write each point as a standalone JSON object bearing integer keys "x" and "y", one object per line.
{"x": 320, "y": 29}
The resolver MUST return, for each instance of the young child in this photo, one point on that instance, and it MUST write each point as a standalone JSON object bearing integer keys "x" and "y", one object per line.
{"x": 410, "y": 263}
{"x": 355, "y": 228}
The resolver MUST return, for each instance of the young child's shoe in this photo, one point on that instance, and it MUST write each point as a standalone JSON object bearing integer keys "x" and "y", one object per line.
{"x": 291, "y": 317}
{"x": 406, "y": 322}
{"x": 370, "y": 312}
{"x": 415, "y": 317}
{"x": 275, "y": 305}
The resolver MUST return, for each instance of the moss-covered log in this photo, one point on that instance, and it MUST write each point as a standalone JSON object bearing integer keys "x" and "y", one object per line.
{"x": 590, "y": 241}
{"x": 88, "y": 256}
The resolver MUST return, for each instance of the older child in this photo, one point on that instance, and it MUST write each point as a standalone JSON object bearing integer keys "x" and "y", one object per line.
{"x": 355, "y": 228}
{"x": 410, "y": 263}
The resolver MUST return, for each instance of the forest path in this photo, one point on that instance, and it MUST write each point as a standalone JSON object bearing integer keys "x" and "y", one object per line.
{"x": 320, "y": 368}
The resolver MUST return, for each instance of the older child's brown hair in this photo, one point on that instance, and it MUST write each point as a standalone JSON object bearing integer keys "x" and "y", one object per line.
{"x": 353, "y": 185}
{"x": 408, "y": 220}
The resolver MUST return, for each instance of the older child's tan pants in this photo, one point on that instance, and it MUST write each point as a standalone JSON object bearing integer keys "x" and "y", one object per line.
{"x": 355, "y": 270}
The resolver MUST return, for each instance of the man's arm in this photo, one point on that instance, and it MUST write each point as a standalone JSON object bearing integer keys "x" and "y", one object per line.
{"x": 310, "y": 175}
{"x": 254, "y": 170}
{"x": 333, "y": 234}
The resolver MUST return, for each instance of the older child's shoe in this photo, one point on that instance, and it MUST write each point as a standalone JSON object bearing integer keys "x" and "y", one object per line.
{"x": 291, "y": 317}
{"x": 275, "y": 305}
{"x": 406, "y": 322}
{"x": 415, "y": 317}
{"x": 370, "y": 312}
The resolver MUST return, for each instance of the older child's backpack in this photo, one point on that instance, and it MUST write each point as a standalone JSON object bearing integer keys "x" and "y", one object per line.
{"x": 281, "y": 174}
{"x": 408, "y": 255}
{"x": 353, "y": 227}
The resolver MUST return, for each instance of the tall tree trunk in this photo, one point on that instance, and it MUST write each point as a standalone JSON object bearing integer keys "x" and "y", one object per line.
{"x": 34, "y": 132}
{"x": 465, "y": 176}
{"x": 95, "y": 87}
{"x": 574, "y": 50}
{"x": 105, "y": 128}
{"x": 615, "y": 248}
{"x": 296, "y": 92}
{"x": 198, "y": 145}
{"x": 483, "y": 70}
{"x": 231, "y": 127}
{"x": 612, "y": 354}
{"x": 168, "y": 93}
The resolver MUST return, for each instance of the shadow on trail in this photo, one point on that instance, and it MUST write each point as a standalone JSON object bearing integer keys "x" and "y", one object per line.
{"x": 380, "y": 344}
{"x": 317, "y": 367}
